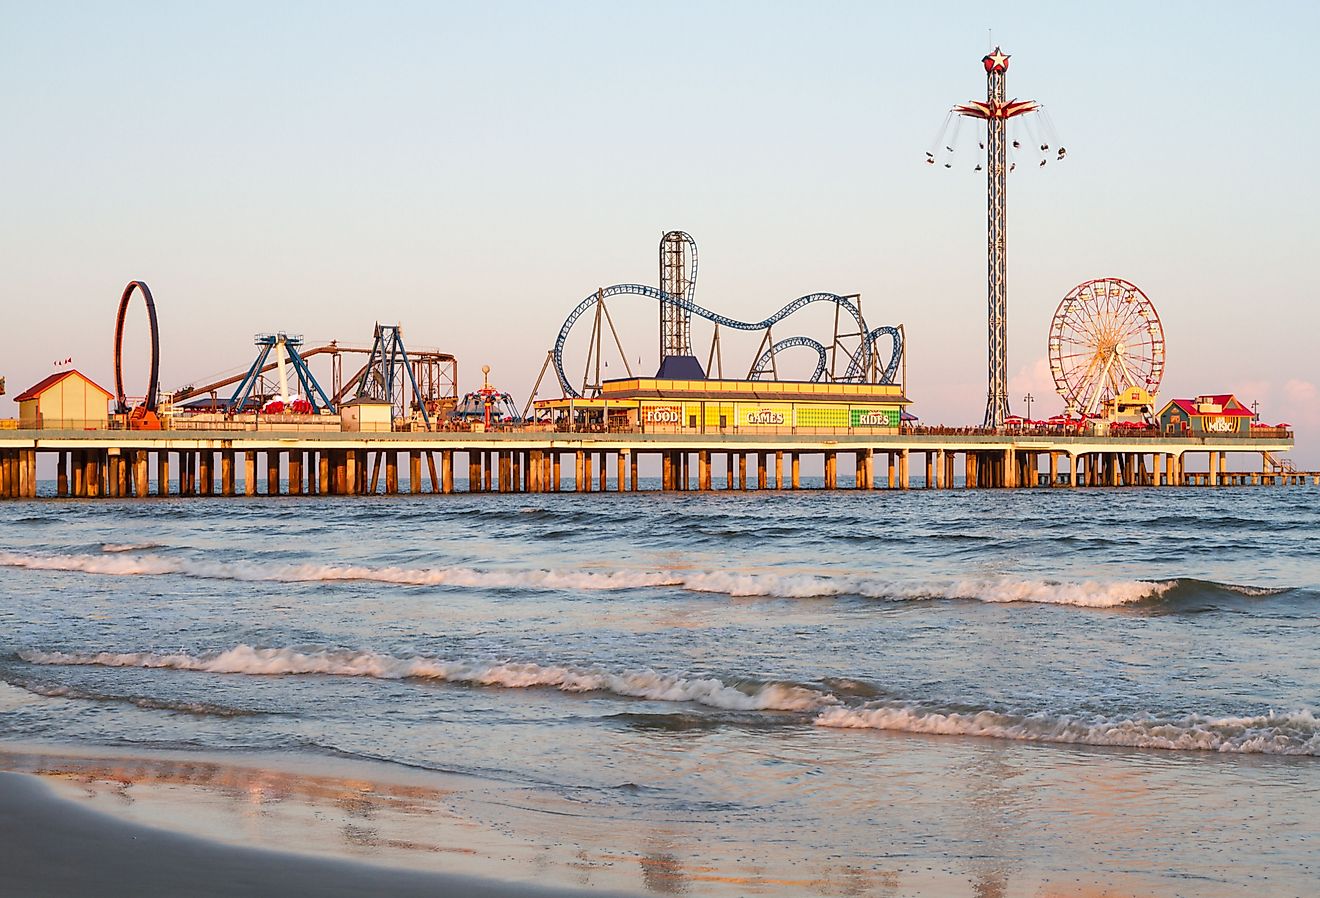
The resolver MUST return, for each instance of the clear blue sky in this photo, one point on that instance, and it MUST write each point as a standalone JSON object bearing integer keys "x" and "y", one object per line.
{"x": 473, "y": 170}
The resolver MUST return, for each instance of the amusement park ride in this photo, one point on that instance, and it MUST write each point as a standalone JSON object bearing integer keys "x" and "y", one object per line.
{"x": 424, "y": 383}
{"x": 995, "y": 112}
{"x": 1105, "y": 337}
{"x": 852, "y": 355}
{"x": 486, "y": 406}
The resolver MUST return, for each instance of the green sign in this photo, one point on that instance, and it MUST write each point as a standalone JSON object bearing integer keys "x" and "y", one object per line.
{"x": 873, "y": 417}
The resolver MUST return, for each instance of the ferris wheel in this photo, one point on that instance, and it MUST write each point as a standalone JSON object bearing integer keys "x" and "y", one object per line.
{"x": 1105, "y": 337}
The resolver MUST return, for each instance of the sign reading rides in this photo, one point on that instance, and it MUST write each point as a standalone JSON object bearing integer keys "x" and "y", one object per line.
{"x": 862, "y": 417}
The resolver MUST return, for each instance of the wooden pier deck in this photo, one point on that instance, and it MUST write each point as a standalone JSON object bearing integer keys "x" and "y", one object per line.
{"x": 121, "y": 463}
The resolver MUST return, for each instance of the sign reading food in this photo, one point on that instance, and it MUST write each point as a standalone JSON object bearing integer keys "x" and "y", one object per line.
{"x": 671, "y": 415}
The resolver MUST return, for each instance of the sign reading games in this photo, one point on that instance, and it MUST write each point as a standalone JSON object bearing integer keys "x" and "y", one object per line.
{"x": 763, "y": 417}
{"x": 865, "y": 417}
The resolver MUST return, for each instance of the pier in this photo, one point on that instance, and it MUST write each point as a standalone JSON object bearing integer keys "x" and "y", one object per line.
{"x": 142, "y": 464}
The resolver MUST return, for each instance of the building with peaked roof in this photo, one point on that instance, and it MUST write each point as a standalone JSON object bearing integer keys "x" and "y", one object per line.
{"x": 1209, "y": 415}
{"x": 67, "y": 400}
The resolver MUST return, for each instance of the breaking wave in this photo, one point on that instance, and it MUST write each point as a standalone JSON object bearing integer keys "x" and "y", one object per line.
{"x": 129, "y": 547}
{"x": 145, "y": 702}
{"x": 119, "y": 561}
{"x": 1292, "y": 733}
{"x": 645, "y": 684}
{"x": 1296, "y": 733}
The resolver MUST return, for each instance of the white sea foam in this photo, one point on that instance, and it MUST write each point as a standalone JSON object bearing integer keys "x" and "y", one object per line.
{"x": 1095, "y": 594}
{"x": 647, "y": 684}
{"x": 1296, "y": 733}
{"x": 129, "y": 547}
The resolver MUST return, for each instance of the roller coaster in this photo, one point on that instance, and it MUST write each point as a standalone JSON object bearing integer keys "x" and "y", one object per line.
{"x": 859, "y": 347}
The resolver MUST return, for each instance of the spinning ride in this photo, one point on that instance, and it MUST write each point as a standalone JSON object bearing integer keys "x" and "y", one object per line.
{"x": 1105, "y": 337}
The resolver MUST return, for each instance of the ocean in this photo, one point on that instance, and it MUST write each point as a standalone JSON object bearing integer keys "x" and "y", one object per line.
{"x": 1071, "y": 692}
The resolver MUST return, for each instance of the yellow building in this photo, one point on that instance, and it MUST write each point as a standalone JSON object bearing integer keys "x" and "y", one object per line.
{"x": 67, "y": 400}
{"x": 654, "y": 405}
{"x": 1133, "y": 406}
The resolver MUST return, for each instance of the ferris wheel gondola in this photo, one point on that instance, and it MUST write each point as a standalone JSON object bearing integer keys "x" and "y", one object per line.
{"x": 1105, "y": 338}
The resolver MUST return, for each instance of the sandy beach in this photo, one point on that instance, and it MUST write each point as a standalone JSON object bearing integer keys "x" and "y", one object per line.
{"x": 51, "y": 845}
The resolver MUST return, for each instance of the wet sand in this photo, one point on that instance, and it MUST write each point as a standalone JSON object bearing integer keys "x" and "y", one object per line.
{"x": 52, "y": 846}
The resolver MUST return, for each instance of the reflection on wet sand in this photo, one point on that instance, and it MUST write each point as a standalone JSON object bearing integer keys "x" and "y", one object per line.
{"x": 973, "y": 828}
{"x": 360, "y": 810}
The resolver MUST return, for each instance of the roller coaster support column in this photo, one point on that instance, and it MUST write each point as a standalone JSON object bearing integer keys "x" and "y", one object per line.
{"x": 432, "y": 473}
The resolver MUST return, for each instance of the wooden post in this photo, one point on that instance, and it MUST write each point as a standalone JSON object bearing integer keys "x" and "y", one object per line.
{"x": 391, "y": 472}
{"x": 604, "y": 468}
{"x": 761, "y": 473}
{"x": 621, "y": 477}
{"x": 904, "y": 478}
{"x": 295, "y": 473}
{"x": 795, "y": 470}
{"x": 578, "y": 468}
{"x": 831, "y": 470}
{"x": 414, "y": 472}
{"x": 742, "y": 470}
{"x": 272, "y": 472}
{"x": 586, "y": 472}
{"x": 556, "y": 473}
{"x": 227, "y": 473}
{"x": 729, "y": 477}
{"x": 632, "y": 471}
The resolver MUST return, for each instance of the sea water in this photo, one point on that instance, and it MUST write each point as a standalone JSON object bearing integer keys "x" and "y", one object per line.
{"x": 1025, "y": 691}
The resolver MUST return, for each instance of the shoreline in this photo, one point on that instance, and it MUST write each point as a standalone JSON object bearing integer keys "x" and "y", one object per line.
{"x": 51, "y": 845}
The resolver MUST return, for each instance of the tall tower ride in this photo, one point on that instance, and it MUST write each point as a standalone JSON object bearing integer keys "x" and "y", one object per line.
{"x": 996, "y": 111}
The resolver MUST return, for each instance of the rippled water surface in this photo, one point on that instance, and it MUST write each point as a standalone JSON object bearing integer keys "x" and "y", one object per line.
{"x": 1022, "y": 691}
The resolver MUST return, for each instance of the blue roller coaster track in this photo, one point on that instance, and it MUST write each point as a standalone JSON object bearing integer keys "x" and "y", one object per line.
{"x": 859, "y": 364}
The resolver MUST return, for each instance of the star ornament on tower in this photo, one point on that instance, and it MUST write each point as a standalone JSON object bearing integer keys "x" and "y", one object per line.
{"x": 996, "y": 61}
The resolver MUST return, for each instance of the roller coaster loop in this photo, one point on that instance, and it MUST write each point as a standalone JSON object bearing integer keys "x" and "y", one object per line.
{"x": 857, "y": 368}
{"x": 121, "y": 399}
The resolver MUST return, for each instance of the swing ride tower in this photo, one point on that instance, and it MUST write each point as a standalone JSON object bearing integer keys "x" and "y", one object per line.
{"x": 996, "y": 111}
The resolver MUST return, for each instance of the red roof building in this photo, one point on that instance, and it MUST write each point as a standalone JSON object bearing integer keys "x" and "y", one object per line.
{"x": 67, "y": 400}
{"x": 1209, "y": 415}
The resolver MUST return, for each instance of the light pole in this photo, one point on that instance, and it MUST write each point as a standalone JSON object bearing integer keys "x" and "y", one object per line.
{"x": 1255, "y": 412}
{"x": 1028, "y": 399}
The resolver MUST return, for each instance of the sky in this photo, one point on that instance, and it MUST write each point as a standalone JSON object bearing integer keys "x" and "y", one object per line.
{"x": 473, "y": 171}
